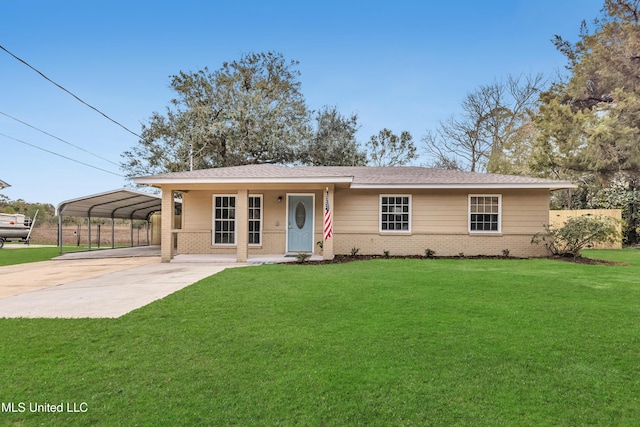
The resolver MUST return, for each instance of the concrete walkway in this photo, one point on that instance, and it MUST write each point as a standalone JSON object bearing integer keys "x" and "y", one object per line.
{"x": 94, "y": 288}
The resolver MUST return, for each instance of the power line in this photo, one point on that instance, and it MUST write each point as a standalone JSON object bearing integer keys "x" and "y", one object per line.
{"x": 59, "y": 139}
{"x": 70, "y": 93}
{"x": 60, "y": 155}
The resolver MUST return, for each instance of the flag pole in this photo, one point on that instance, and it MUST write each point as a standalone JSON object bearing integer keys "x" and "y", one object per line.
{"x": 328, "y": 226}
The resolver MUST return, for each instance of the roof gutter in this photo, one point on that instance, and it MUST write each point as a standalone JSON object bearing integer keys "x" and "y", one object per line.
{"x": 559, "y": 185}
{"x": 180, "y": 181}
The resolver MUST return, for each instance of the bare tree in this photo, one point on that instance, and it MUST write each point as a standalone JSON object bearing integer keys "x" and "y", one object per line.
{"x": 490, "y": 123}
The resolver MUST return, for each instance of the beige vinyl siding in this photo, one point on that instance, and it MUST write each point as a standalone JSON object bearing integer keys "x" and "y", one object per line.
{"x": 442, "y": 211}
{"x": 355, "y": 212}
{"x": 431, "y": 211}
{"x": 524, "y": 211}
{"x": 196, "y": 210}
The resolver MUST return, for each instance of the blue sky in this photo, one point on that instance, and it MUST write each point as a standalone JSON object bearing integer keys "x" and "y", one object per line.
{"x": 403, "y": 65}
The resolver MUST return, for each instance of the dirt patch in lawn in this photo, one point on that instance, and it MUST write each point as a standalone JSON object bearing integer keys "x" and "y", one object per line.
{"x": 588, "y": 261}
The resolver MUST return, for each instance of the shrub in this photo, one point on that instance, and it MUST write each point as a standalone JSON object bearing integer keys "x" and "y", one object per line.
{"x": 302, "y": 257}
{"x": 354, "y": 251}
{"x": 577, "y": 234}
{"x": 386, "y": 254}
{"x": 429, "y": 253}
{"x": 505, "y": 253}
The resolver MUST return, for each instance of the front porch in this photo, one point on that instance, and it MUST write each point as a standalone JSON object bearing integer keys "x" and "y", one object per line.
{"x": 224, "y": 223}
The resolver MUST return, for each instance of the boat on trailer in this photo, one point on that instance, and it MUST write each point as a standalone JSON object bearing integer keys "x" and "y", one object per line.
{"x": 15, "y": 227}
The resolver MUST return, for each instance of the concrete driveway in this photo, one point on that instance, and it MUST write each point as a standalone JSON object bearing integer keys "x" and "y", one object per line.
{"x": 95, "y": 287}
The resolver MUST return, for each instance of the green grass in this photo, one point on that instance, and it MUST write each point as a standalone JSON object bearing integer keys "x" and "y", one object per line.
{"x": 383, "y": 342}
{"x": 25, "y": 255}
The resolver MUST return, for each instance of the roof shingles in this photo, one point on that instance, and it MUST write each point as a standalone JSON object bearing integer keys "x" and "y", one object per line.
{"x": 358, "y": 176}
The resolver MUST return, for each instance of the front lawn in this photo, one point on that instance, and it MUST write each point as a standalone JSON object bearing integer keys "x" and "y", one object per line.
{"x": 26, "y": 254}
{"x": 382, "y": 342}
{"x": 21, "y": 254}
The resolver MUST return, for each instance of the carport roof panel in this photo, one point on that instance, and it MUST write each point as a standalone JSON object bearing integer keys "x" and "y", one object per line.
{"x": 121, "y": 204}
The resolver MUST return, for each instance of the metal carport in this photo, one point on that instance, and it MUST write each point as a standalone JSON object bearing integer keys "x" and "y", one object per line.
{"x": 115, "y": 204}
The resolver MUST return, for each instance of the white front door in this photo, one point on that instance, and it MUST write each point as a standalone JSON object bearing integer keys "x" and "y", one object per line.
{"x": 300, "y": 223}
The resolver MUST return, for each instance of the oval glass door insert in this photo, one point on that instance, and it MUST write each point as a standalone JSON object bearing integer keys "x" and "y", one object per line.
{"x": 301, "y": 215}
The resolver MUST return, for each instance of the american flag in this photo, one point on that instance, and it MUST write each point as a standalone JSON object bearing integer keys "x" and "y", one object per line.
{"x": 328, "y": 229}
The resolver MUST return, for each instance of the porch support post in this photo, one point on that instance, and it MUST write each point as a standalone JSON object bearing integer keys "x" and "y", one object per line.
{"x": 166, "y": 229}
{"x": 327, "y": 245}
{"x": 242, "y": 222}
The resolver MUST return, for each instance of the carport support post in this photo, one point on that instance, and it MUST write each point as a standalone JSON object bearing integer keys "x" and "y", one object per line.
{"x": 60, "y": 232}
{"x": 242, "y": 221}
{"x": 166, "y": 232}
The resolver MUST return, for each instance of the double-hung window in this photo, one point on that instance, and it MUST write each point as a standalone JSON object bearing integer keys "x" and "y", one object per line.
{"x": 224, "y": 220}
{"x": 255, "y": 220}
{"x": 395, "y": 213}
{"x": 485, "y": 212}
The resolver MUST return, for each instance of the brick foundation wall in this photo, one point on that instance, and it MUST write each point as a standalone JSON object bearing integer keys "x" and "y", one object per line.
{"x": 442, "y": 244}
{"x": 199, "y": 242}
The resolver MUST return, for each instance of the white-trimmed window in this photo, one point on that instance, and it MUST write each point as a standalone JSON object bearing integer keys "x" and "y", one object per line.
{"x": 485, "y": 213}
{"x": 255, "y": 220}
{"x": 224, "y": 220}
{"x": 395, "y": 213}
